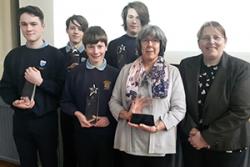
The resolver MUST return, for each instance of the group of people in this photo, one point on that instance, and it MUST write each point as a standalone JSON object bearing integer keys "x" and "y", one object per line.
{"x": 121, "y": 103}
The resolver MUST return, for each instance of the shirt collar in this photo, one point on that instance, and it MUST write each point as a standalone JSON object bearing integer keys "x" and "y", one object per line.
{"x": 101, "y": 67}
{"x": 42, "y": 46}
{"x": 69, "y": 47}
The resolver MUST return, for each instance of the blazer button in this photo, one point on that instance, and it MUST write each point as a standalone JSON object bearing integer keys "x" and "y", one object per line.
{"x": 201, "y": 121}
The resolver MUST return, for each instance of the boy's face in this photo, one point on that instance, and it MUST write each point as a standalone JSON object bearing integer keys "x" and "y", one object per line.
{"x": 75, "y": 33}
{"x": 32, "y": 28}
{"x": 96, "y": 52}
{"x": 133, "y": 22}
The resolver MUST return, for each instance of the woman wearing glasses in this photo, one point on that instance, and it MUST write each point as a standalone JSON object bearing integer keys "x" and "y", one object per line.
{"x": 215, "y": 130}
{"x": 148, "y": 101}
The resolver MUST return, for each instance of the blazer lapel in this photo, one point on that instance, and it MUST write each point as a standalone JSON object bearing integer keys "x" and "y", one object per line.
{"x": 194, "y": 78}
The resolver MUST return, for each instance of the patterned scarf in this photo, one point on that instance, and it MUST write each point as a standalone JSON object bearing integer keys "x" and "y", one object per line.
{"x": 158, "y": 76}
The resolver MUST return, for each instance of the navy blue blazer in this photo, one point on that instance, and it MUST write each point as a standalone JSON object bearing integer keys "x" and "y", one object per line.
{"x": 227, "y": 106}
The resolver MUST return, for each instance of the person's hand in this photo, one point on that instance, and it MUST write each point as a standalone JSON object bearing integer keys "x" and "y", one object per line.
{"x": 136, "y": 107}
{"x": 24, "y": 103}
{"x": 152, "y": 129}
{"x": 196, "y": 139}
{"x": 139, "y": 103}
{"x": 133, "y": 125}
{"x": 33, "y": 75}
{"x": 193, "y": 131}
{"x": 102, "y": 122}
{"x": 83, "y": 120}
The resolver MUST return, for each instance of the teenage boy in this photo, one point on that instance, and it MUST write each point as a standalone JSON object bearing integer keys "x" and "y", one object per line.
{"x": 74, "y": 54}
{"x": 39, "y": 65}
{"x": 88, "y": 88}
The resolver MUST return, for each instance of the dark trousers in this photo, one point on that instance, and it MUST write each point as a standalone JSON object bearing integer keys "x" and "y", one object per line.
{"x": 209, "y": 158}
{"x": 68, "y": 142}
{"x": 118, "y": 158}
{"x": 178, "y": 158}
{"x": 36, "y": 136}
{"x": 94, "y": 150}
{"x": 129, "y": 160}
{"x": 247, "y": 158}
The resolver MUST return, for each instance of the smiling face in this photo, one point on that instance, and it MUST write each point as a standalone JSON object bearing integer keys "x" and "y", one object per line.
{"x": 32, "y": 28}
{"x": 75, "y": 33}
{"x": 133, "y": 22}
{"x": 96, "y": 52}
{"x": 212, "y": 43}
{"x": 150, "y": 47}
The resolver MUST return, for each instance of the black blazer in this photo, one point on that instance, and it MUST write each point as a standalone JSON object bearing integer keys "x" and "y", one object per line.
{"x": 227, "y": 105}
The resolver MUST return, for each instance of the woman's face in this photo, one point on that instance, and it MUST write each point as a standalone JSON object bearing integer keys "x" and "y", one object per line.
{"x": 150, "y": 47}
{"x": 212, "y": 43}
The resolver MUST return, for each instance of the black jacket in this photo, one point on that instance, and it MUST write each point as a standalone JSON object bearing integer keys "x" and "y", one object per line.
{"x": 227, "y": 106}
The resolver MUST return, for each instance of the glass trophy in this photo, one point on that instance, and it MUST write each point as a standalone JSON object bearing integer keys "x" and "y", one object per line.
{"x": 74, "y": 57}
{"x": 29, "y": 90}
{"x": 146, "y": 119}
{"x": 92, "y": 105}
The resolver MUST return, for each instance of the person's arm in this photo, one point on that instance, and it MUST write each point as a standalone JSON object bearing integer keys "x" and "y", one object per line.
{"x": 188, "y": 123}
{"x": 66, "y": 103}
{"x": 110, "y": 55}
{"x": 54, "y": 86}
{"x": 8, "y": 83}
{"x": 126, "y": 115}
{"x": 115, "y": 104}
{"x": 177, "y": 109}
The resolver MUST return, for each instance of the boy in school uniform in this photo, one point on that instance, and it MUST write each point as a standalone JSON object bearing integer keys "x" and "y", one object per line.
{"x": 87, "y": 91}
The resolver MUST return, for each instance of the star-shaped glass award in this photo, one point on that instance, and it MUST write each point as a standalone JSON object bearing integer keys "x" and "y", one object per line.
{"x": 92, "y": 104}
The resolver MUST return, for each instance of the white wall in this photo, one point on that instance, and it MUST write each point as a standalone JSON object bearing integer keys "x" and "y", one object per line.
{"x": 7, "y": 30}
{"x": 180, "y": 20}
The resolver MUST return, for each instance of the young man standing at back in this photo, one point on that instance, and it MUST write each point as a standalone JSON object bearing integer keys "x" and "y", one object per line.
{"x": 123, "y": 50}
{"x": 74, "y": 54}
{"x": 39, "y": 65}
{"x": 76, "y": 26}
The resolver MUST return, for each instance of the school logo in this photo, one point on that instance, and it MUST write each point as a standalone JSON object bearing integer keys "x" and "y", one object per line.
{"x": 42, "y": 64}
{"x": 106, "y": 84}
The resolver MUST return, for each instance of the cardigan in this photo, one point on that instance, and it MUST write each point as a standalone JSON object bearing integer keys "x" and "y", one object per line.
{"x": 171, "y": 110}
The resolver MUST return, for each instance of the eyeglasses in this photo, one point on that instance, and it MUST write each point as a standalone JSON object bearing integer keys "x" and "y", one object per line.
{"x": 214, "y": 38}
{"x": 153, "y": 41}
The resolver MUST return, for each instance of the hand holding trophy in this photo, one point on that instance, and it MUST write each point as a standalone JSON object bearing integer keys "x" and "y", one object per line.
{"x": 24, "y": 103}
{"x": 137, "y": 116}
{"x": 92, "y": 105}
{"x": 33, "y": 79}
{"x": 82, "y": 120}
{"x": 74, "y": 59}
